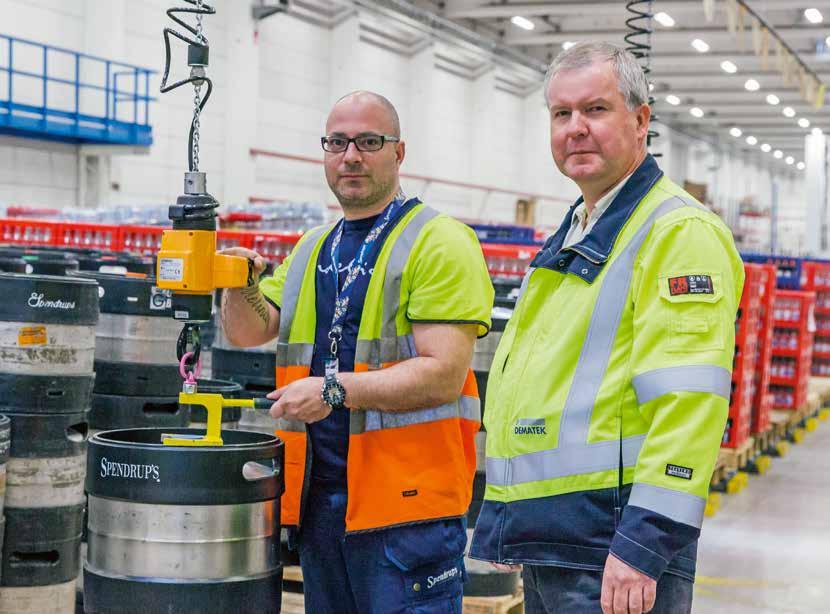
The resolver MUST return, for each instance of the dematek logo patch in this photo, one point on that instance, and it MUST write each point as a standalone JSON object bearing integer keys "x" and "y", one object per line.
{"x": 530, "y": 426}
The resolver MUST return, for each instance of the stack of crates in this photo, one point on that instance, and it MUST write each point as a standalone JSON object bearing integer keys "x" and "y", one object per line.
{"x": 790, "y": 271}
{"x": 792, "y": 347}
{"x": 762, "y": 398}
{"x": 747, "y": 327}
{"x": 818, "y": 280}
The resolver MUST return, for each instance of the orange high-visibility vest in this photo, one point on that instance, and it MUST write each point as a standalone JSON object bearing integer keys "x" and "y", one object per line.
{"x": 402, "y": 467}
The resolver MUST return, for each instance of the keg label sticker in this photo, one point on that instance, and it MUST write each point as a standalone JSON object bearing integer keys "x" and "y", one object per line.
{"x": 37, "y": 301}
{"x": 160, "y": 298}
{"x": 130, "y": 471}
{"x": 171, "y": 269}
{"x": 32, "y": 335}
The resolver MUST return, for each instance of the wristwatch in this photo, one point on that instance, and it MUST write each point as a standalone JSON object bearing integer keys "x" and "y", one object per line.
{"x": 334, "y": 395}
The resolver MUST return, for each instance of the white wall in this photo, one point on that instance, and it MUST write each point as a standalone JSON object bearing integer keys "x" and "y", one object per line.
{"x": 273, "y": 91}
{"x": 739, "y": 187}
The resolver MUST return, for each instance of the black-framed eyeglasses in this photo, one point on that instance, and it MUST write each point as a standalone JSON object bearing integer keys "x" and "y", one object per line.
{"x": 364, "y": 142}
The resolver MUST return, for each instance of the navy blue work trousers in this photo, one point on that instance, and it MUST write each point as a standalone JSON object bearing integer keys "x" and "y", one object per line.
{"x": 417, "y": 569}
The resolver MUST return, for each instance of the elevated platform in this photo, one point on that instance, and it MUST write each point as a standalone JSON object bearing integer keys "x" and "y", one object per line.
{"x": 57, "y": 94}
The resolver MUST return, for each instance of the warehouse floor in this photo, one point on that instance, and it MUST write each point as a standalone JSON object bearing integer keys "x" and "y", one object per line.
{"x": 767, "y": 550}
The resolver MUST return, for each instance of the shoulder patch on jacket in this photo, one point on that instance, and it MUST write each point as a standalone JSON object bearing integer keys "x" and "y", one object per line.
{"x": 691, "y": 284}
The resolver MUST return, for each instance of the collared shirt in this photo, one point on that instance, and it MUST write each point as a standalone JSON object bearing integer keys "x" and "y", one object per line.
{"x": 582, "y": 222}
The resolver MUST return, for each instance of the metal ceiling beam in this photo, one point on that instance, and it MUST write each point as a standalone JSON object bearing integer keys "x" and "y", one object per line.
{"x": 790, "y": 97}
{"x": 717, "y": 74}
{"x": 673, "y": 59}
{"x": 710, "y": 34}
{"x": 541, "y": 9}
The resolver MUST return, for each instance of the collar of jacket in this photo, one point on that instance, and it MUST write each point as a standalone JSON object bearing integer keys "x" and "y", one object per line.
{"x": 586, "y": 258}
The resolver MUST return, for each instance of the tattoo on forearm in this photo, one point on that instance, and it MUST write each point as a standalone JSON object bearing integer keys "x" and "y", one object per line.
{"x": 253, "y": 297}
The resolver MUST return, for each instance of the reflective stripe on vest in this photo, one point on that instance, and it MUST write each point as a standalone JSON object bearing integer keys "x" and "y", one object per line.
{"x": 294, "y": 359}
{"x": 574, "y": 455}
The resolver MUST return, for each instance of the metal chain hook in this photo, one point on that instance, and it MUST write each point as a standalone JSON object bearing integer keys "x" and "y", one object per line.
{"x": 189, "y": 357}
{"x": 197, "y": 94}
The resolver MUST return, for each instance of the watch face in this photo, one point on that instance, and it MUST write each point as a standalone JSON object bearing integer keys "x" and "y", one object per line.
{"x": 336, "y": 394}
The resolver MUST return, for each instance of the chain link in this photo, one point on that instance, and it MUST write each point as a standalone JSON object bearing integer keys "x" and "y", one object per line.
{"x": 197, "y": 95}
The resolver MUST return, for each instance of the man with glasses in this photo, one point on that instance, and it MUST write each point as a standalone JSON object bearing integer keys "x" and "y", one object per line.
{"x": 376, "y": 316}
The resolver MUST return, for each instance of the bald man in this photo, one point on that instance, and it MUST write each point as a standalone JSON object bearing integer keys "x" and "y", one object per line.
{"x": 377, "y": 316}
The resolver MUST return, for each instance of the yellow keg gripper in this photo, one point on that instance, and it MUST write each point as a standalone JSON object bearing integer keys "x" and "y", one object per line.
{"x": 213, "y": 404}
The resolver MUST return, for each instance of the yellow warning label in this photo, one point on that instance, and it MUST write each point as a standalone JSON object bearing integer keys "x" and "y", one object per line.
{"x": 32, "y": 335}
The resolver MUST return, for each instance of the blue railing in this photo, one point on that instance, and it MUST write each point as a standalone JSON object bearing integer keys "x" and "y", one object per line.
{"x": 52, "y": 93}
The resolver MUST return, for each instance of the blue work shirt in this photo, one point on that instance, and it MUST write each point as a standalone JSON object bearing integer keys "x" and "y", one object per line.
{"x": 330, "y": 436}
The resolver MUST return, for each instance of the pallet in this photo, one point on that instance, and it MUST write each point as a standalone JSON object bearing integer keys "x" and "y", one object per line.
{"x": 504, "y": 604}
{"x": 821, "y": 386}
{"x": 730, "y": 460}
{"x": 764, "y": 440}
{"x": 293, "y": 602}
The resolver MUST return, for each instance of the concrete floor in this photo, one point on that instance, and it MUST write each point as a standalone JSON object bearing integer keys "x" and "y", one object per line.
{"x": 767, "y": 550}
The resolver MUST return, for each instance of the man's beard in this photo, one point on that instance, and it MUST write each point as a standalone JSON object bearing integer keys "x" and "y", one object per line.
{"x": 380, "y": 191}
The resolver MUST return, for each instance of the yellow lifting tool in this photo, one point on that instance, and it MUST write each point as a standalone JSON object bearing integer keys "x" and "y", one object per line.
{"x": 188, "y": 263}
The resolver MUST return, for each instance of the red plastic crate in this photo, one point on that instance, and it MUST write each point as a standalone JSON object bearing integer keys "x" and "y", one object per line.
{"x": 789, "y": 397}
{"x": 140, "y": 239}
{"x": 821, "y": 366}
{"x": 752, "y": 295}
{"x": 740, "y": 416}
{"x": 816, "y": 276}
{"x": 795, "y": 309}
{"x": 508, "y": 260}
{"x": 274, "y": 246}
{"x": 233, "y": 238}
{"x": 746, "y": 356}
{"x": 93, "y": 236}
{"x": 28, "y": 232}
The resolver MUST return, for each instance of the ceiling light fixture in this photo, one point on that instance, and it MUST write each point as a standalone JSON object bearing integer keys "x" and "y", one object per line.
{"x": 788, "y": 112}
{"x": 804, "y": 122}
{"x": 729, "y": 67}
{"x": 752, "y": 85}
{"x": 736, "y": 132}
{"x": 672, "y": 99}
{"x": 817, "y": 131}
{"x": 522, "y": 22}
{"x": 751, "y": 140}
{"x": 773, "y": 99}
{"x": 702, "y": 46}
{"x": 664, "y": 19}
{"x": 790, "y": 160}
{"x": 567, "y": 45}
{"x": 697, "y": 112}
{"x": 778, "y": 154}
{"x": 812, "y": 15}
{"x": 766, "y": 148}
{"x": 801, "y": 166}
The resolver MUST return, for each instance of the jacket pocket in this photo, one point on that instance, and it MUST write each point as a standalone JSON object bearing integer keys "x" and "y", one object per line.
{"x": 693, "y": 318}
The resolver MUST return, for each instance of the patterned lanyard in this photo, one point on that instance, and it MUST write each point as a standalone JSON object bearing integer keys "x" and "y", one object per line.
{"x": 343, "y": 295}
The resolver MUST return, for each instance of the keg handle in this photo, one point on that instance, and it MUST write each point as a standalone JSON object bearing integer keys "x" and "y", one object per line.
{"x": 253, "y": 471}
